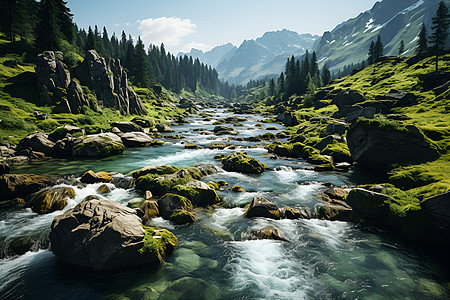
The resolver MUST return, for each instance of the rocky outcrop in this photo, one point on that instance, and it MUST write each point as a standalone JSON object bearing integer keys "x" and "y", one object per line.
{"x": 56, "y": 86}
{"x": 241, "y": 162}
{"x": 263, "y": 207}
{"x": 107, "y": 77}
{"x": 22, "y": 185}
{"x": 38, "y": 142}
{"x": 400, "y": 98}
{"x": 105, "y": 235}
{"x": 347, "y": 98}
{"x": 170, "y": 202}
{"x": 50, "y": 200}
{"x": 136, "y": 139}
{"x": 376, "y": 144}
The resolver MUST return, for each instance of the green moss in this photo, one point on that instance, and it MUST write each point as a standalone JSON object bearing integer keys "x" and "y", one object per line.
{"x": 241, "y": 162}
{"x": 181, "y": 216}
{"x": 155, "y": 170}
{"x": 214, "y": 185}
{"x": 158, "y": 243}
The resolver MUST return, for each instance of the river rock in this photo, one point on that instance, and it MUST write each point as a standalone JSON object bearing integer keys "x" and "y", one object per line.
{"x": 377, "y": 146}
{"x": 347, "y": 98}
{"x": 182, "y": 216}
{"x": 150, "y": 210}
{"x": 136, "y": 139}
{"x": 38, "y": 142}
{"x": 268, "y": 233}
{"x": 437, "y": 213}
{"x": 295, "y": 213}
{"x": 263, "y": 207}
{"x": 97, "y": 145}
{"x": 335, "y": 213}
{"x": 370, "y": 205}
{"x": 241, "y": 162}
{"x": 106, "y": 235}
{"x": 190, "y": 288}
{"x": 163, "y": 128}
{"x": 200, "y": 193}
{"x": 107, "y": 77}
{"x": 22, "y": 185}
{"x": 170, "y": 202}
{"x": 61, "y": 132}
{"x": 92, "y": 177}
{"x": 124, "y": 126}
{"x": 51, "y": 199}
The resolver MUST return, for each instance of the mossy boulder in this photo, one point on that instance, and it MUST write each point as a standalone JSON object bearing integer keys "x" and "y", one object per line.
{"x": 155, "y": 170}
{"x": 335, "y": 213}
{"x": 198, "y": 192}
{"x": 22, "y": 185}
{"x": 369, "y": 204}
{"x": 136, "y": 139}
{"x": 51, "y": 200}
{"x": 263, "y": 207}
{"x": 295, "y": 213}
{"x": 92, "y": 177}
{"x": 243, "y": 163}
{"x": 377, "y": 144}
{"x": 170, "y": 202}
{"x": 190, "y": 288}
{"x": 338, "y": 151}
{"x": 267, "y": 233}
{"x": 97, "y": 145}
{"x": 106, "y": 235}
{"x": 219, "y": 146}
{"x": 182, "y": 216}
{"x": 237, "y": 189}
{"x": 159, "y": 185}
{"x": 193, "y": 146}
{"x": 103, "y": 189}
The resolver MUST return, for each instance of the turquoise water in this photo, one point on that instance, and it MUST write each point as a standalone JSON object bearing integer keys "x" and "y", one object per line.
{"x": 321, "y": 260}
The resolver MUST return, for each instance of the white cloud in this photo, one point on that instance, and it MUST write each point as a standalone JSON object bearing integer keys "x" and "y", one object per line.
{"x": 165, "y": 30}
{"x": 196, "y": 45}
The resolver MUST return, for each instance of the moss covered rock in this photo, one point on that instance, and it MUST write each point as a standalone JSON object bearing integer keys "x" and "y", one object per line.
{"x": 268, "y": 233}
{"x": 237, "y": 189}
{"x": 263, "y": 207}
{"x": 181, "y": 216}
{"x": 92, "y": 177}
{"x": 170, "y": 202}
{"x": 51, "y": 200}
{"x": 21, "y": 185}
{"x": 155, "y": 170}
{"x": 338, "y": 151}
{"x": 198, "y": 192}
{"x": 219, "y": 146}
{"x": 97, "y": 145}
{"x": 241, "y": 162}
{"x": 159, "y": 185}
{"x": 103, "y": 189}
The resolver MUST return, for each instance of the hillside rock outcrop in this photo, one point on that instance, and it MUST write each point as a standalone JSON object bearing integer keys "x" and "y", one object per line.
{"x": 377, "y": 145}
{"x": 56, "y": 86}
{"x": 107, "y": 77}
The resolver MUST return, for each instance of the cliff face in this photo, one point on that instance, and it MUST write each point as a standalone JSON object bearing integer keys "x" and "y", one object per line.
{"x": 106, "y": 77}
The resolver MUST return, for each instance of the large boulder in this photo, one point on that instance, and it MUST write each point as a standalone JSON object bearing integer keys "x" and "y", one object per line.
{"x": 127, "y": 126}
{"x": 22, "y": 185}
{"x": 136, "y": 139}
{"x": 241, "y": 162}
{"x": 288, "y": 119}
{"x": 170, "y": 202}
{"x": 106, "y": 235}
{"x": 38, "y": 142}
{"x": 377, "y": 144}
{"x": 437, "y": 214}
{"x": 163, "y": 128}
{"x": 63, "y": 131}
{"x": 92, "y": 177}
{"x": 96, "y": 145}
{"x": 263, "y": 207}
{"x": 200, "y": 193}
{"x": 401, "y": 98}
{"x": 51, "y": 199}
{"x": 108, "y": 78}
{"x": 347, "y": 98}
{"x": 370, "y": 205}
{"x": 335, "y": 213}
{"x": 268, "y": 233}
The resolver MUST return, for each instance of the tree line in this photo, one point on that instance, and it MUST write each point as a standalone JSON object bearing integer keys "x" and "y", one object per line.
{"x": 49, "y": 25}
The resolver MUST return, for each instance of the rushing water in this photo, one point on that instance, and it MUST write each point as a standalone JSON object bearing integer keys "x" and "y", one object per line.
{"x": 321, "y": 259}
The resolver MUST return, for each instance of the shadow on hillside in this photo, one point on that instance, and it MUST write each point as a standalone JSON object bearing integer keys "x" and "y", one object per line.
{"x": 23, "y": 86}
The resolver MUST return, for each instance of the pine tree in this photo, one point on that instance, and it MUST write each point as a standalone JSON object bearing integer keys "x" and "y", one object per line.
{"x": 401, "y": 49}
{"x": 440, "y": 30}
{"x": 378, "y": 50}
{"x": 106, "y": 43}
{"x": 326, "y": 75}
{"x": 91, "y": 41}
{"x": 422, "y": 43}
{"x": 142, "y": 68}
{"x": 271, "y": 87}
{"x": 47, "y": 34}
{"x": 64, "y": 20}
{"x": 371, "y": 58}
{"x": 281, "y": 84}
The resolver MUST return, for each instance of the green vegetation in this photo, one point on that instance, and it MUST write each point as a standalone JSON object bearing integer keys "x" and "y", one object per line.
{"x": 158, "y": 243}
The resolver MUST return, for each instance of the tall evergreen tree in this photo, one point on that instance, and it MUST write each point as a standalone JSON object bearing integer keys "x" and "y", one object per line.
{"x": 91, "y": 42}
{"x": 142, "y": 68}
{"x": 422, "y": 42}
{"x": 326, "y": 75}
{"x": 64, "y": 20}
{"x": 47, "y": 34}
{"x": 371, "y": 55}
{"x": 281, "y": 84}
{"x": 440, "y": 30}
{"x": 401, "y": 49}
{"x": 378, "y": 50}
{"x": 271, "y": 87}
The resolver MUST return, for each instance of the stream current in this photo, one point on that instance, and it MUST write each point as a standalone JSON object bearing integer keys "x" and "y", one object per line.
{"x": 321, "y": 260}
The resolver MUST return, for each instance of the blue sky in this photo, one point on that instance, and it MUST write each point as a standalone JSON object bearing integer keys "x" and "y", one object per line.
{"x": 203, "y": 24}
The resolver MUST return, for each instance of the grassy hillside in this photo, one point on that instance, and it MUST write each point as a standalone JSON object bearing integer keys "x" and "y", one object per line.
{"x": 19, "y": 100}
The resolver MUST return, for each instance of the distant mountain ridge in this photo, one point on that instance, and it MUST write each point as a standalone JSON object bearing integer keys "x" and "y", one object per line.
{"x": 258, "y": 58}
{"x": 393, "y": 20}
